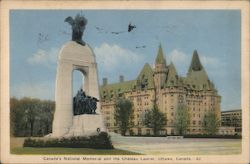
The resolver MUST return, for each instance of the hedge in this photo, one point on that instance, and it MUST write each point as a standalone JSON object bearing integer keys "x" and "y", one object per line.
{"x": 145, "y": 135}
{"x": 213, "y": 136}
{"x": 100, "y": 141}
{"x": 192, "y": 136}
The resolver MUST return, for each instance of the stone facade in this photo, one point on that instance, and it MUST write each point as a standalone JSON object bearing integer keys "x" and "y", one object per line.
{"x": 227, "y": 130}
{"x": 232, "y": 118}
{"x": 164, "y": 86}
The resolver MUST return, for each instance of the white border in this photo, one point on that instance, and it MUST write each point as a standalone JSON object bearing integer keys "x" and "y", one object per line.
{"x": 154, "y": 5}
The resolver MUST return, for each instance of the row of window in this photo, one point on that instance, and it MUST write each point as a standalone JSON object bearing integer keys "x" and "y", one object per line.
{"x": 197, "y": 115}
{"x": 109, "y": 124}
{"x": 200, "y": 103}
{"x": 145, "y": 103}
{"x": 172, "y": 108}
{"x": 193, "y": 130}
{"x": 181, "y": 100}
{"x": 138, "y": 91}
{"x": 194, "y": 122}
{"x": 190, "y": 94}
{"x": 230, "y": 114}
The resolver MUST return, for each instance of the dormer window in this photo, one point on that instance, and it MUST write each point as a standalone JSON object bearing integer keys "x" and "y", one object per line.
{"x": 144, "y": 82}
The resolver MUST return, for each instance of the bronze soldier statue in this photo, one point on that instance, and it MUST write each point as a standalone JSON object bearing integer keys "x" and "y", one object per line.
{"x": 83, "y": 104}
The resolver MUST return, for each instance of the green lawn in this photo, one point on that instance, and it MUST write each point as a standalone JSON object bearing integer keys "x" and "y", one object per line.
{"x": 70, "y": 151}
{"x": 17, "y": 142}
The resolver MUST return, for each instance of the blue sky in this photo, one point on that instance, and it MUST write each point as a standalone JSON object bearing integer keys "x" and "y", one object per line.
{"x": 36, "y": 37}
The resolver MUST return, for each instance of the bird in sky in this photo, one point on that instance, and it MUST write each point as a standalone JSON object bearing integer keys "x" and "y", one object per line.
{"x": 131, "y": 27}
{"x": 102, "y": 30}
{"x": 144, "y": 46}
{"x": 117, "y": 33}
{"x": 42, "y": 38}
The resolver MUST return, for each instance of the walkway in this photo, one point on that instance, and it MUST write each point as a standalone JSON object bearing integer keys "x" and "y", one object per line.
{"x": 189, "y": 146}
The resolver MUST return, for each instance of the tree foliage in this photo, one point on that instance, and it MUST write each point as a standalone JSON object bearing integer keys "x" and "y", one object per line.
{"x": 155, "y": 119}
{"x": 123, "y": 111}
{"x": 181, "y": 119}
{"x": 31, "y": 117}
{"x": 211, "y": 123}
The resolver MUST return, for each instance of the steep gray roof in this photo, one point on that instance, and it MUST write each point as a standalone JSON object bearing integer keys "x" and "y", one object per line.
{"x": 195, "y": 63}
{"x": 160, "y": 56}
{"x": 146, "y": 76}
{"x": 197, "y": 77}
{"x": 172, "y": 76}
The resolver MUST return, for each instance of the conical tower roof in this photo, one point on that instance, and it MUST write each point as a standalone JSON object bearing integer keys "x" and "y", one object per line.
{"x": 146, "y": 70}
{"x": 172, "y": 69}
{"x": 146, "y": 74}
{"x": 172, "y": 78}
{"x": 160, "y": 56}
{"x": 197, "y": 77}
{"x": 195, "y": 63}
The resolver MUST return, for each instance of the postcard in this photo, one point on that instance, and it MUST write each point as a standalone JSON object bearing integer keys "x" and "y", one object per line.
{"x": 124, "y": 82}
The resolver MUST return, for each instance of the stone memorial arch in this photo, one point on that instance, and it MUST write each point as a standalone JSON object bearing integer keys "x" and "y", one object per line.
{"x": 74, "y": 56}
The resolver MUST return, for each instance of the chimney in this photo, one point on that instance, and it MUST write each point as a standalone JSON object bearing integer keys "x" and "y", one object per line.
{"x": 121, "y": 78}
{"x": 105, "y": 81}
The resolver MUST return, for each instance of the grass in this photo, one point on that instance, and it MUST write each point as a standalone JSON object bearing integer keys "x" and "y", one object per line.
{"x": 16, "y": 144}
{"x": 70, "y": 151}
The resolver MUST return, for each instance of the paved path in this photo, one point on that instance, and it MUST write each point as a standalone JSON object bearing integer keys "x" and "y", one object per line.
{"x": 189, "y": 146}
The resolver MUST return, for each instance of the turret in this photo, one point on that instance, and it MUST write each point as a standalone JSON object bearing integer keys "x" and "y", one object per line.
{"x": 160, "y": 70}
{"x": 195, "y": 63}
{"x": 160, "y": 57}
{"x": 172, "y": 78}
{"x": 197, "y": 77}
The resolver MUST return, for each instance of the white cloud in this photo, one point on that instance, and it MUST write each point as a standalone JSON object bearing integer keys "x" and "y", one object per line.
{"x": 209, "y": 61}
{"x": 111, "y": 57}
{"x": 44, "y": 57}
{"x": 177, "y": 56}
{"x": 42, "y": 90}
{"x": 212, "y": 65}
{"x": 180, "y": 57}
{"x": 182, "y": 61}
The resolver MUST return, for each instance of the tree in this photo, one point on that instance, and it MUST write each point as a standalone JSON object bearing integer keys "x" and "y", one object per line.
{"x": 31, "y": 107}
{"x": 155, "y": 119}
{"x": 123, "y": 111}
{"x": 46, "y": 117}
{"x": 211, "y": 123}
{"x": 181, "y": 119}
{"x": 16, "y": 118}
{"x": 31, "y": 117}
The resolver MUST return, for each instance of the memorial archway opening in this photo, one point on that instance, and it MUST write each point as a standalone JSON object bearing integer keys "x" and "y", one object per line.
{"x": 77, "y": 81}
